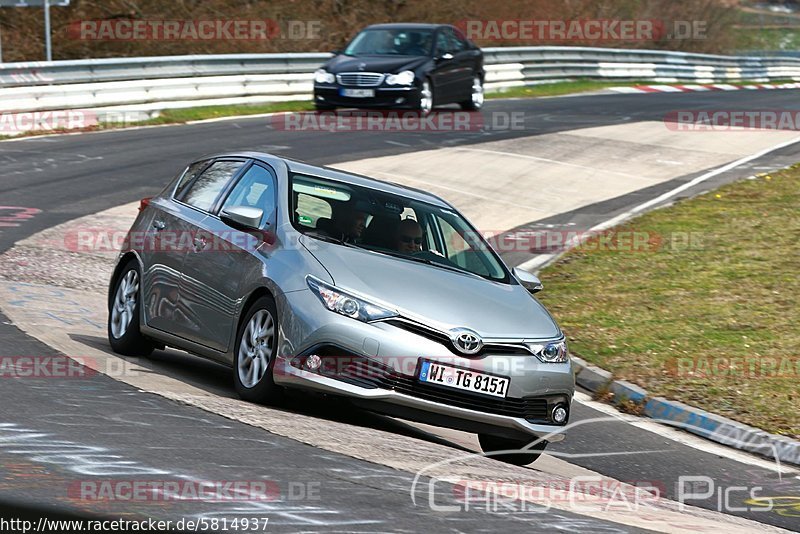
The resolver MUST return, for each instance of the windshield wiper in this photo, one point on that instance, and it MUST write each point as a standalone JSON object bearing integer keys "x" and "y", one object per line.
{"x": 331, "y": 239}
{"x": 426, "y": 261}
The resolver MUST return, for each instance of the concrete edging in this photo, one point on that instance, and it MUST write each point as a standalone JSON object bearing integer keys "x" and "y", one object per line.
{"x": 694, "y": 420}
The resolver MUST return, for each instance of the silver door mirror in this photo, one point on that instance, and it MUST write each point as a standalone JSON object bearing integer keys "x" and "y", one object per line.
{"x": 242, "y": 217}
{"x": 529, "y": 281}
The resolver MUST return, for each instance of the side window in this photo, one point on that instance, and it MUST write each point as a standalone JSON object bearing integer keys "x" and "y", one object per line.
{"x": 256, "y": 189}
{"x": 457, "y": 44}
{"x": 310, "y": 209}
{"x": 204, "y": 191}
{"x": 442, "y": 43}
{"x": 461, "y": 252}
{"x": 454, "y": 244}
{"x": 189, "y": 174}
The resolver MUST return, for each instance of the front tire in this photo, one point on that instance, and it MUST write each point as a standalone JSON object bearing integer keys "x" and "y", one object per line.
{"x": 518, "y": 451}
{"x": 255, "y": 353}
{"x": 477, "y": 97}
{"x": 426, "y": 98}
{"x": 124, "y": 313}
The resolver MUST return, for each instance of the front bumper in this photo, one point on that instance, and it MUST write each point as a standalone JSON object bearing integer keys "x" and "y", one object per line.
{"x": 400, "y": 97}
{"x": 390, "y": 386}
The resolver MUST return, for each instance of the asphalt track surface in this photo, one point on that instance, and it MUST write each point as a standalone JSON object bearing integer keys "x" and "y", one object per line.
{"x": 71, "y": 176}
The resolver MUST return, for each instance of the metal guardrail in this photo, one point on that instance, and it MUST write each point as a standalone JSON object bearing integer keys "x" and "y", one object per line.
{"x": 152, "y": 83}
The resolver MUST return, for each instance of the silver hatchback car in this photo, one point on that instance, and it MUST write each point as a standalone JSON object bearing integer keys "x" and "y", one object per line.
{"x": 309, "y": 278}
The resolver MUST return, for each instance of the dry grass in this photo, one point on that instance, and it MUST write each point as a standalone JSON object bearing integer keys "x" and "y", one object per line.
{"x": 735, "y": 293}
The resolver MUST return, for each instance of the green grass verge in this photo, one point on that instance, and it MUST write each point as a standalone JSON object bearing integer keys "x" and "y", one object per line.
{"x": 675, "y": 317}
{"x": 170, "y": 116}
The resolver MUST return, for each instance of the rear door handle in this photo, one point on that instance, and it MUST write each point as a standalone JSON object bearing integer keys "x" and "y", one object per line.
{"x": 159, "y": 225}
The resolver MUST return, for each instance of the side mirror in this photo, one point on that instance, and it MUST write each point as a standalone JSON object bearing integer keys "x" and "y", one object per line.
{"x": 336, "y": 52}
{"x": 529, "y": 281}
{"x": 242, "y": 217}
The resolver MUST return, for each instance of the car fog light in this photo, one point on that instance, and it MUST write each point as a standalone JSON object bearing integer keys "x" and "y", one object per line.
{"x": 313, "y": 362}
{"x": 559, "y": 414}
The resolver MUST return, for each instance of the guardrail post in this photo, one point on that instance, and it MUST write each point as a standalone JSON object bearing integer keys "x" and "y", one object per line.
{"x": 48, "y": 44}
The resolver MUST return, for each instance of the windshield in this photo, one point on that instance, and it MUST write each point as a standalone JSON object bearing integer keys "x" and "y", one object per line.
{"x": 384, "y": 42}
{"x": 356, "y": 216}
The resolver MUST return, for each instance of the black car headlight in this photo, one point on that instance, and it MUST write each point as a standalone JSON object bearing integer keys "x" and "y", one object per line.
{"x": 347, "y": 304}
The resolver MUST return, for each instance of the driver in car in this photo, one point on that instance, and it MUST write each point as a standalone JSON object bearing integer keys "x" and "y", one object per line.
{"x": 408, "y": 237}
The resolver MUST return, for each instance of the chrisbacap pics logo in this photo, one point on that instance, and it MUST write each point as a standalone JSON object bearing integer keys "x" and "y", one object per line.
{"x": 450, "y": 486}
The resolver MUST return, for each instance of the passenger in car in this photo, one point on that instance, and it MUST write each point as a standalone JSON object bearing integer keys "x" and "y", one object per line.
{"x": 346, "y": 224}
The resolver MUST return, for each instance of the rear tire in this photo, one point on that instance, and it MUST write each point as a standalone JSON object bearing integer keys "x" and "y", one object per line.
{"x": 124, "y": 312}
{"x": 255, "y": 353}
{"x": 490, "y": 444}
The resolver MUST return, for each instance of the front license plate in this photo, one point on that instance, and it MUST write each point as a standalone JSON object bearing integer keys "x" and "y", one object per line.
{"x": 457, "y": 378}
{"x": 358, "y": 93}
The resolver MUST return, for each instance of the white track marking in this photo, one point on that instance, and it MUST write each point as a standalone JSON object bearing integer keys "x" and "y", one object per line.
{"x": 685, "y": 438}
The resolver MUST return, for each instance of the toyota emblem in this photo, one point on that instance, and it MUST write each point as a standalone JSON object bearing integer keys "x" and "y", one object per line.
{"x": 467, "y": 341}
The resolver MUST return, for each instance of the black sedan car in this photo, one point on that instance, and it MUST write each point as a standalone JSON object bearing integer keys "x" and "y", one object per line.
{"x": 411, "y": 66}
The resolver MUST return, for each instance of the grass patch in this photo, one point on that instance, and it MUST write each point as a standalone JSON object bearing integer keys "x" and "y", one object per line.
{"x": 768, "y": 39}
{"x": 171, "y": 116}
{"x": 729, "y": 296}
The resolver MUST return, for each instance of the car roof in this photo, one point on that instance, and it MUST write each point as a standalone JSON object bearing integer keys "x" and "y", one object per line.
{"x": 405, "y": 26}
{"x": 300, "y": 167}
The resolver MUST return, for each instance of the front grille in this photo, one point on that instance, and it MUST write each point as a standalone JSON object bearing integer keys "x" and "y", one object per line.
{"x": 440, "y": 337}
{"x": 371, "y": 374}
{"x": 360, "y": 79}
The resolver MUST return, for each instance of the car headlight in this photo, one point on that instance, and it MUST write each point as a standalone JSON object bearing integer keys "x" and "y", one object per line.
{"x": 347, "y": 304}
{"x": 323, "y": 76}
{"x": 552, "y": 352}
{"x": 404, "y": 78}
